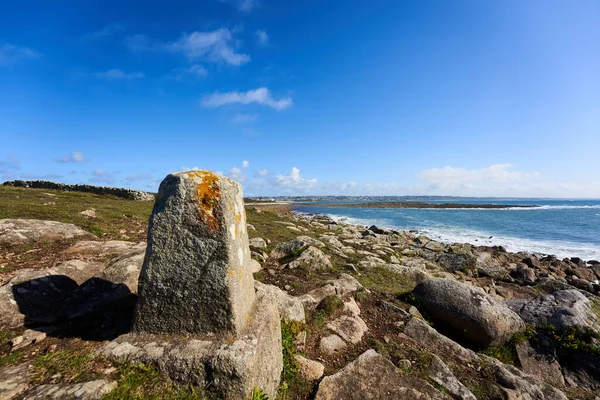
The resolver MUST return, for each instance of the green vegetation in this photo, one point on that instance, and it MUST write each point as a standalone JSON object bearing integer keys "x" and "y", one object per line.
{"x": 73, "y": 367}
{"x": 289, "y": 375}
{"x": 113, "y": 215}
{"x": 507, "y": 352}
{"x": 141, "y": 382}
{"x": 570, "y": 340}
{"x": 258, "y": 394}
{"x": 6, "y": 357}
{"x": 382, "y": 280}
{"x": 326, "y": 308}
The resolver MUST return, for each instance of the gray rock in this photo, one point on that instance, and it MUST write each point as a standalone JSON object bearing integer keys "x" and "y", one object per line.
{"x": 196, "y": 276}
{"x": 371, "y": 376}
{"x": 311, "y": 241}
{"x": 258, "y": 243}
{"x": 331, "y": 344}
{"x": 21, "y": 231}
{"x": 28, "y": 337}
{"x": 311, "y": 259}
{"x": 542, "y": 366}
{"x": 219, "y": 367}
{"x": 125, "y": 269}
{"x": 564, "y": 309}
{"x": 93, "y": 390}
{"x": 441, "y": 374}
{"x": 454, "y": 262}
{"x": 308, "y": 369}
{"x": 467, "y": 312}
{"x": 344, "y": 284}
{"x": 288, "y": 248}
{"x": 349, "y": 328}
{"x": 437, "y": 247}
{"x": 290, "y": 307}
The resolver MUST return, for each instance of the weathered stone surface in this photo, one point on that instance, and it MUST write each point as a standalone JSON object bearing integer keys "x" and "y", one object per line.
{"x": 467, "y": 312}
{"x": 311, "y": 259}
{"x": 196, "y": 276}
{"x": 453, "y": 262}
{"x": 21, "y": 231}
{"x": 14, "y": 380}
{"x": 311, "y": 241}
{"x": 308, "y": 369}
{"x": 93, "y": 390}
{"x": 441, "y": 374}
{"x": 288, "y": 248}
{"x": 331, "y": 344}
{"x": 542, "y": 366}
{"x": 351, "y": 329}
{"x": 371, "y": 376}
{"x": 564, "y": 309}
{"x": 290, "y": 307}
{"x": 344, "y": 284}
{"x": 258, "y": 243}
{"x": 28, "y": 337}
{"x": 125, "y": 269}
{"x": 225, "y": 367}
{"x": 97, "y": 248}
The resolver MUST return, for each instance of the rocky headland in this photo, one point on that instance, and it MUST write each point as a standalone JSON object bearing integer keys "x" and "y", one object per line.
{"x": 361, "y": 312}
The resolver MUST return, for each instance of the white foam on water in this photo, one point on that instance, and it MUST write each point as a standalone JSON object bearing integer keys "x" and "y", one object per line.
{"x": 561, "y": 249}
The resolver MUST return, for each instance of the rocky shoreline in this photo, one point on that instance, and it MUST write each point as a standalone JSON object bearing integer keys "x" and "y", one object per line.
{"x": 418, "y": 204}
{"x": 366, "y": 312}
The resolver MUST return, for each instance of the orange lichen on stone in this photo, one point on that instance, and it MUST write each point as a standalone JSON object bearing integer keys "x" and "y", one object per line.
{"x": 208, "y": 195}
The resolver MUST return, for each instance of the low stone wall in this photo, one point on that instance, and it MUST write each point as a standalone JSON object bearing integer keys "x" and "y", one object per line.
{"x": 128, "y": 194}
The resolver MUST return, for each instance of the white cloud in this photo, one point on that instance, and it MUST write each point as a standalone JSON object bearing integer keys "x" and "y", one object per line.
{"x": 238, "y": 175}
{"x": 216, "y": 46}
{"x": 101, "y": 176}
{"x": 11, "y": 54}
{"x": 452, "y": 179}
{"x": 108, "y": 30}
{"x": 245, "y": 164}
{"x": 294, "y": 180}
{"x": 260, "y": 96}
{"x": 244, "y": 119}
{"x": 118, "y": 74}
{"x": 195, "y": 71}
{"x": 262, "y": 37}
{"x": 262, "y": 172}
{"x": 74, "y": 157}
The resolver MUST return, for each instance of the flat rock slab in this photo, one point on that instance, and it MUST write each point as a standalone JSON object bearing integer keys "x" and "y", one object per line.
{"x": 97, "y": 248}
{"x": 14, "y": 380}
{"x": 93, "y": 390}
{"x": 371, "y": 376}
{"x": 21, "y": 231}
{"x": 351, "y": 329}
{"x": 225, "y": 367}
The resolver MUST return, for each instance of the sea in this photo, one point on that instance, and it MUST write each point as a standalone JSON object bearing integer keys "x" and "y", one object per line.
{"x": 564, "y": 228}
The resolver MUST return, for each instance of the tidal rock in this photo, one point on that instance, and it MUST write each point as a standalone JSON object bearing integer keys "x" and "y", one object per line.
{"x": 467, "y": 312}
{"x": 21, "y": 231}
{"x": 196, "y": 276}
{"x": 371, "y": 376}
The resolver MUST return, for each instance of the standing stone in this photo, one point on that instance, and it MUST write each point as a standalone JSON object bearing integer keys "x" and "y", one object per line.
{"x": 196, "y": 276}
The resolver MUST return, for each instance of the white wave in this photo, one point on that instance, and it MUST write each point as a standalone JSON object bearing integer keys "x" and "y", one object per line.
{"x": 561, "y": 249}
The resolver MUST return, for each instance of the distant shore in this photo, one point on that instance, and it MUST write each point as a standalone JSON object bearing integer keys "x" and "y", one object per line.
{"x": 413, "y": 204}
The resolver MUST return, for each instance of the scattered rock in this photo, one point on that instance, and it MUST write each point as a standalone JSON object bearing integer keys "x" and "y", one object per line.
{"x": 288, "y": 248}
{"x": 308, "y": 369}
{"x": 454, "y": 262}
{"x": 441, "y": 374}
{"x": 258, "y": 243}
{"x": 331, "y": 344}
{"x": 290, "y": 307}
{"x": 311, "y": 241}
{"x": 97, "y": 248}
{"x": 14, "y": 380}
{"x": 311, "y": 259}
{"x": 351, "y": 329}
{"x": 542, "y": 366}
{"x": 28, "y": 337}
{"x": 89, "y": 213}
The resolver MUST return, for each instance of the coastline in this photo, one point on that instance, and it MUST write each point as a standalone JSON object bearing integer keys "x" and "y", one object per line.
{"x": 418, "y": 205}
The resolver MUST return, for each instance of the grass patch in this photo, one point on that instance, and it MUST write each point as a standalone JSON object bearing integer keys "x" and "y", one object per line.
{"x": 507, "y": 352}
{"x": 289, "y": 375}
{"x": 140, "y": 382}
{"x": 6, "y": 357}
{"x": 570, "y": 340}
{"x": 382, "y": 280}
{"x": 73, "y": 367}
{"x": 113, "y": 214}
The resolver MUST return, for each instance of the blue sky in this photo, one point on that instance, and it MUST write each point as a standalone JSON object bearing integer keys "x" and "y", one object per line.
{"x": 310, "y": 97}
